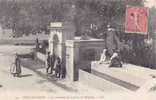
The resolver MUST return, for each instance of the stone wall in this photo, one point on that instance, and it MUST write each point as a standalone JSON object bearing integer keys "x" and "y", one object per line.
{"x": 80, "y": 53}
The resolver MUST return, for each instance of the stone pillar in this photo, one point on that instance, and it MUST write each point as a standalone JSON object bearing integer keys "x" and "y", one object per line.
{"x": 72, "y": 58}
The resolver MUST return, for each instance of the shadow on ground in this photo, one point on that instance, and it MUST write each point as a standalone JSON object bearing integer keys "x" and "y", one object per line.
{"x": 30, "y": 64}
{"x": 26, "y": 75}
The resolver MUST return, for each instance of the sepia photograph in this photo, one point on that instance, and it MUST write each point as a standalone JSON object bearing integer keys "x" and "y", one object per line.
{"x": 77, "y": 49}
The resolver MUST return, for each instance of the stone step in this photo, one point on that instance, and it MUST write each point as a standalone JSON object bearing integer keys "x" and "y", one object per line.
{"x": 99, "y": 83}
{"x": 118, "y": 81}
{"x": 119, "y": 75}
{"x": 136, "y": 71}
{"x": 130, "y": 77}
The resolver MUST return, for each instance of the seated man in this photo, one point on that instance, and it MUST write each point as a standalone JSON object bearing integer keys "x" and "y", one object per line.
{"x": 115, "y": 60}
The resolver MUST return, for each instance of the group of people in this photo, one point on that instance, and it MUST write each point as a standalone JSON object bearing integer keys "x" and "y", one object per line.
{"x": 113, "y": 60}
{"x": 54, "y": 66}
{"x": 111, "y": 54}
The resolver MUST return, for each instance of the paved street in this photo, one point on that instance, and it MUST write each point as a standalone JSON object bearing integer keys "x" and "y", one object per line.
{"x": 35, "y": 85}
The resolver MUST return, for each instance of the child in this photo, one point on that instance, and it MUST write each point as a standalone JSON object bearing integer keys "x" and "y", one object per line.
{"x": 115, "y": 60}
{"x": 57, "y": 68}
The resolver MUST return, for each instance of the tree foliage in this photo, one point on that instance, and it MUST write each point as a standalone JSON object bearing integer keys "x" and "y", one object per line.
{"x": 33, "y": 16}
{"x": 102, "y": 12}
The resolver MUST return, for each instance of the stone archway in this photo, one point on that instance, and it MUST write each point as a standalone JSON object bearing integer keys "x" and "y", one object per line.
{"x": 55, "y": 44}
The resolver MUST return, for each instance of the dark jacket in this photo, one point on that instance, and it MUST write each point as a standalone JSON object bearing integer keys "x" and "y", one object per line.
{"x": 112, "y": 41}
{"x": 116, "y": 62}
{"x": 48, "y": 60}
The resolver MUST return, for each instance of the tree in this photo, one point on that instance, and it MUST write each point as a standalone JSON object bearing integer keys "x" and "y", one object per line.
{"x": 33, "y": 16}
{"x": 100, "y": 13}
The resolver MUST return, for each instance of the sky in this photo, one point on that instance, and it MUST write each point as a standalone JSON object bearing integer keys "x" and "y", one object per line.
{"x": 150, "y": 3}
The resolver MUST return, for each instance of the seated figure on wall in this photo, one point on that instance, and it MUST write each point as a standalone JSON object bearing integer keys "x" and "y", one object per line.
{"x": 115, "y": 60}
{"x": 103, "y": 57}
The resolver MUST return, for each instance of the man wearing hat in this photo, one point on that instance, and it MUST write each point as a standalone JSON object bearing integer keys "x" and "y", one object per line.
{"x": 112, "y": 40}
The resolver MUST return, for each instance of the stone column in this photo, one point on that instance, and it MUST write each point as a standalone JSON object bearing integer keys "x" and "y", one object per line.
{"x": 72, "y": 58}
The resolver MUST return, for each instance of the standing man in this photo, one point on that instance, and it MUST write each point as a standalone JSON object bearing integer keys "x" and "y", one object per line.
{"x": 48, "y": 63}
{"x": 53, "y": 59}
{"x": 112, "y": 40}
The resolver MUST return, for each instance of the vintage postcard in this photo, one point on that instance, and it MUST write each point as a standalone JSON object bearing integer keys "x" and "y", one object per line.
{"x": 77, "y": 49}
